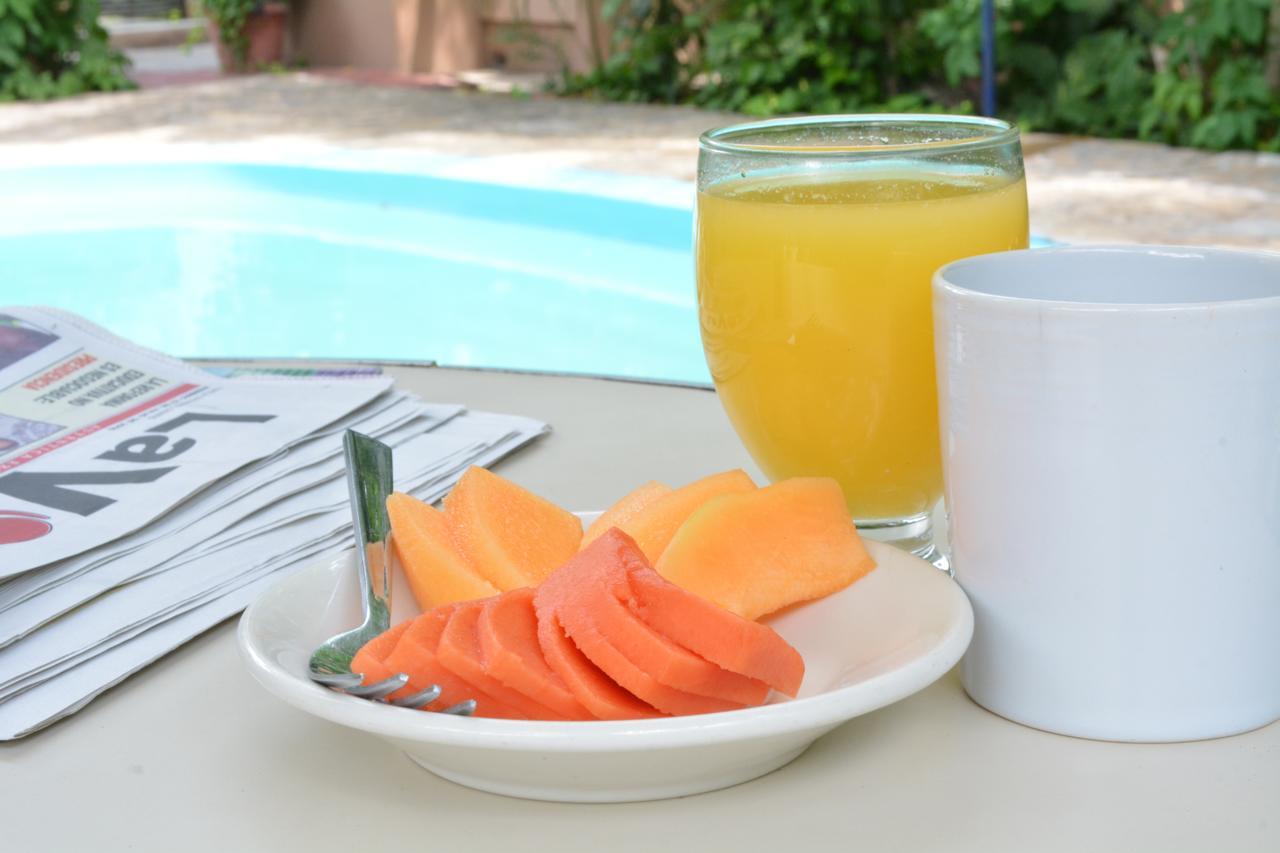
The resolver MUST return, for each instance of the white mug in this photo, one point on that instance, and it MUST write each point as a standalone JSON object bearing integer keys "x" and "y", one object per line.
{"x": 1110, "y": 424}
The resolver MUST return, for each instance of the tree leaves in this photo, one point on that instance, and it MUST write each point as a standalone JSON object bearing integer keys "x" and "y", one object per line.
{"x": 1190, "y": 73}
{"x": 55, "y": 49}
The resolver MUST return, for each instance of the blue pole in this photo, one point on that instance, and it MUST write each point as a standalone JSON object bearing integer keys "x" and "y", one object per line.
{"x": 988, "y": 57}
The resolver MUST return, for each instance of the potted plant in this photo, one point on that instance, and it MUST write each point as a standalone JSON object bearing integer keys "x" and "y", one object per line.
{"x": 249, "y": 34}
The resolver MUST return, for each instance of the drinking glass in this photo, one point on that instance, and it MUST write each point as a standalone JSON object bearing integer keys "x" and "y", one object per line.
{"x": 816, "y": 242}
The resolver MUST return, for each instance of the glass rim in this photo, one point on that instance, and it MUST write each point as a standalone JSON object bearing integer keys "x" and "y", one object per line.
{"x": 998, "y": 132}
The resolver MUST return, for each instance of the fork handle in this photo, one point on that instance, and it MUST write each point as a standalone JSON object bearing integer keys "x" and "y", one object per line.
{"x": 369, "y": 479}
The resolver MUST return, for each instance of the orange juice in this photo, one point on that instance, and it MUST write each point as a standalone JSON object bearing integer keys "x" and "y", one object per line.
{"x": 814, "y": 303}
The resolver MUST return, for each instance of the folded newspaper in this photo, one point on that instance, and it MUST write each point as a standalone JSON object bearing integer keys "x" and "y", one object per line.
{"x": 144, "y": 500}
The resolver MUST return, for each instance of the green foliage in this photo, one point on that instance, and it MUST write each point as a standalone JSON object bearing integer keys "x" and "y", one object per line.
{"x": 55, "y": 48}
{"x": 1187, "y": 73}
{"x": 785, "y": 56}
{"x": 194, "y": 36}
{"x": 655, "y": 42}
{"x": 762, "y": 57}
{"x": 230, "y": 16}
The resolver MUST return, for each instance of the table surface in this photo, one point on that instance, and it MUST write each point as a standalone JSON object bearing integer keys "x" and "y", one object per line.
{"x": 191, "y": 754}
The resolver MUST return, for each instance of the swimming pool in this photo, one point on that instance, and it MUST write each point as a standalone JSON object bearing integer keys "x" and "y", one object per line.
{"x": 220, "y": 260}
{"x": 235, "y": 259}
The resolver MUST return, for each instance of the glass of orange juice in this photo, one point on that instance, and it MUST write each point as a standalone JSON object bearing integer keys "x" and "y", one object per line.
{"x": 816, "y": 243}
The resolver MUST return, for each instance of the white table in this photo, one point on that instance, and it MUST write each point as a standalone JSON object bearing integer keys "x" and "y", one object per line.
{"x": 191, "y": 755}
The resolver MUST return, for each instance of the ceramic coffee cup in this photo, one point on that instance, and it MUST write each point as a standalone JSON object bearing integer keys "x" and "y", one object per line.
{"x": 1110, "y": 424}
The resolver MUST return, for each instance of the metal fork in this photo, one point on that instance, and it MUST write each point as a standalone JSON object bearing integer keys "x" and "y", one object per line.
{"x": 370, "y": 482}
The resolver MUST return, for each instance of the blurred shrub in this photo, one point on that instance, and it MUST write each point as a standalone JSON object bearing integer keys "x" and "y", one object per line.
{"x": 54, "y": 48}
{"x": 1188, "y": 72}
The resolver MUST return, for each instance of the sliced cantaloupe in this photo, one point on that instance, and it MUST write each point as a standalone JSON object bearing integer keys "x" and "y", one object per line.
{"x": 415, "y": 655}
{"x": 509, "y": 535}
{"x": 722, "y": 637}
{"x": 621, "y": 513}
{"x": 759, "y": 551}
{"x": 461, "y": 653}
{"x": 437, "y": 572}
{"x": 508, "y": 629}
{"x": 595, "y": 596}
{"x": 653, "y": 526}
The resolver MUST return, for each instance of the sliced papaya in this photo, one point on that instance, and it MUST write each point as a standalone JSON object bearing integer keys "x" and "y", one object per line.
{"x": 415, "y": 655}
{"x": 562, "y": 596}
{"x": 597, "y": 692}
{"x": 639, "y": 683}
{"x": 720, "y": 636}
{"x": 596, "y": 593}
{"x": 461, "y": 653}
{"x": 371, "y": 660}
{"x": 508, "y": 630}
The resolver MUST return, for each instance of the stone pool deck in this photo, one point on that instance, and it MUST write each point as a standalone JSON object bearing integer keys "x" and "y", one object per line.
{"x": 1082, "y": 190}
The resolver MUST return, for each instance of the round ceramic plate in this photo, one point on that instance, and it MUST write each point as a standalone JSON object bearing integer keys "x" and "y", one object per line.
{"x": 889, "y": 635}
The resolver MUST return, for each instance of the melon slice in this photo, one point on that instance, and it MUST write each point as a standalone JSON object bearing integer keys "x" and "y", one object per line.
{"x": 763, "y": 550}
{"x": 437, "y": 572}
{"x": 654, "y": 525}
{"x": 415, "y": 655}
{"x": 593, "y": 595}
{"x": 625, "y": 509}
{"x": 508, "y": 629}
{"x": 509, "y": 535}
{"x": 460, "y": 652}
{"x": 722, "y": 637}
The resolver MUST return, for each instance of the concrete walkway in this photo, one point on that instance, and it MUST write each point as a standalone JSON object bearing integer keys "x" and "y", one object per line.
{"x": 1082, "y": 190}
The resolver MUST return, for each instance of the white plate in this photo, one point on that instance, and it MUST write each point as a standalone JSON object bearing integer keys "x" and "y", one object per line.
{"x": 887, "y": 636}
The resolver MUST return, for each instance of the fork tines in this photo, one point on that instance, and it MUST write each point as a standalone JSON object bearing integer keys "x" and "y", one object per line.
{"x": 353, "y": 684}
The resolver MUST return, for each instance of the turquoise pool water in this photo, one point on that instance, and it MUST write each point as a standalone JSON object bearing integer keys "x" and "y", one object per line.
{"x": 276, "y": 261}
{"x": 226, "y": 260}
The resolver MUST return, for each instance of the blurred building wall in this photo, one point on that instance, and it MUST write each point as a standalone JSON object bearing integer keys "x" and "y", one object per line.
{"x": 407, "y": 36}
{"x": 545, "y": 35}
